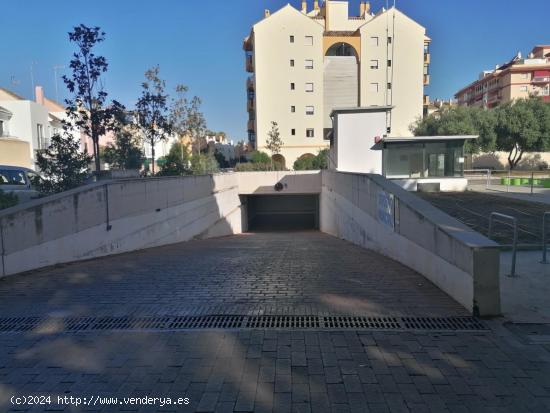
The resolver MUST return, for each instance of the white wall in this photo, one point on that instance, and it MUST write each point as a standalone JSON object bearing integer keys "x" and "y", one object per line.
{"x": 117, "y": 217}
{"x": 356, "y": 150}
{"x": 23, "y": 123}
{"x": 294, "y": 182}
{"x": 406, "y": 72}
{"x": 273, "y": 75}
{"x": 446, "y": 184}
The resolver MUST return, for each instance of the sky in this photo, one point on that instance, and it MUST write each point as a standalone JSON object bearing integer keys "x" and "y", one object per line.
{"x": 199, "y": 43}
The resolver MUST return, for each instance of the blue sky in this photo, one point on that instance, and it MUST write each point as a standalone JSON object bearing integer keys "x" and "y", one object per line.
{"x": 198, "y": 43}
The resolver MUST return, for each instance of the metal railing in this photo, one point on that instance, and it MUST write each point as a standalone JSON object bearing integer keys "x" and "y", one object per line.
{"x": 515, "y": 242}
{"x": 544, "y": 237}
{"x": 486, "y": 171}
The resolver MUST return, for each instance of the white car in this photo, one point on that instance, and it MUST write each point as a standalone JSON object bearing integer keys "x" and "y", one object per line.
{"x": 19, "y": 181}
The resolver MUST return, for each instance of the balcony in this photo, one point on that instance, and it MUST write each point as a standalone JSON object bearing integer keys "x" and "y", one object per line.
{"x": 427, "y": 58}
{"x": 247, "y": 44}
{"x": 426, "y": 100}
{"x": 250, "y": 127}
{"x": 249, "y": 63}
{"x": 250, "y": 106}
{"x": 426, "y": 80}
{"x": 250, "y": 83}
{"x": 541, "y": 79}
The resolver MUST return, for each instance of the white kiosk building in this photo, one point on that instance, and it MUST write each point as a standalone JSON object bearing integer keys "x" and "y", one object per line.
{"x": 421, "y": 163}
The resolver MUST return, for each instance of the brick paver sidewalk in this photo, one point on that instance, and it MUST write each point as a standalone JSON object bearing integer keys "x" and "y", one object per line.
{"x": 259, "y": 370}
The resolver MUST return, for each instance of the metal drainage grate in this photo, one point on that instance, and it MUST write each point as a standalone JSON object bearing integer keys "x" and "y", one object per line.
{"x": 130, "y": 323}
{"x": 171, "y": 323}
{"x": 382, "y": 323}
{"x": 19, "y": 323}
{"x": 283, "y": 321}
{"x": 208, "y": 321}
{"x": 442, "y": 323}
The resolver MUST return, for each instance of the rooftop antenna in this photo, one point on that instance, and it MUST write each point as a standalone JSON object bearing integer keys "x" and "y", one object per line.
{"x": 14, "y": 81}
{"x": 55, "y": 68}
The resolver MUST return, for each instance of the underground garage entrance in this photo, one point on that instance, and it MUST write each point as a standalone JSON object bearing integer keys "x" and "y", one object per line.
{"x": 281, "y": 212}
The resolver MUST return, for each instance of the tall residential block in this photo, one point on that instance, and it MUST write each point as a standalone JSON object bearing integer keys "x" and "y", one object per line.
{"x": 518, "y": 78}
{"x": 305, "y": 63}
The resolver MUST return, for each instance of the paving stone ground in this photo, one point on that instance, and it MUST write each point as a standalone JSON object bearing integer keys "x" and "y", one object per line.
{"x": 259, "y": 370}
{"x": 299, "y": 273}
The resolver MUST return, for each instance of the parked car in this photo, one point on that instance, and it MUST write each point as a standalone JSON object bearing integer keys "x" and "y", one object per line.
{"x": 19, "y": 180}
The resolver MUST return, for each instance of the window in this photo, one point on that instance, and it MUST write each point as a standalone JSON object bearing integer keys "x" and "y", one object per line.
{"x": 374, "y": 64}
{"x": 310, "y": 133}
{"x": 292, "y": 109}
{"x": 292, "y": 86}
{"x": 373, "y": 87}
{"x": 389, "y": 40}
{"x": 309, "y": 41}
{"x": 1, "y": 128}
{"x": 291, "y": 62}
{"x": 523, "y": 88}
{"x": 309, "y": 87}
{"x": 524, "y": 75}
{"x": 309, "y": 64}
{"x": 12, "y": 177}
{"x": 389, "y": 63}
{"x": 293, "y": 132}
{"x": 310, "y": 110}
{"x": 389, "y": 86}
{"x": 374, "y": 41}
{"x": 291, "y": 39}
{"x": 40, "y": 136}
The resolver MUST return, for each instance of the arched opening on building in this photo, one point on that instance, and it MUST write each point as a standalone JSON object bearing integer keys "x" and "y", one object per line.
{"x": 279, "y": 159}
{"x": 341, "y": 80}
{"x": 341, "y": 49}
{"x": 306, "y": 156}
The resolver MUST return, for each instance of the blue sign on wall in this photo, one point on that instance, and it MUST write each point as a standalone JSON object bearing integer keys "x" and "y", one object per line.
{"x": 386, "y": 208}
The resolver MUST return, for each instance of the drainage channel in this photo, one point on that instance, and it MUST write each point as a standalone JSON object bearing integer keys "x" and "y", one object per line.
{"x": 230, "y": 322}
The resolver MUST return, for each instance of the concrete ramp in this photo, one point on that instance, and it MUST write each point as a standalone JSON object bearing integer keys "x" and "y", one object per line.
{"x": 368, "y": 210}
{"x": 375, "y": 213}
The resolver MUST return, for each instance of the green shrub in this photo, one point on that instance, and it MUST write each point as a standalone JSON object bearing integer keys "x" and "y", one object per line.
{"x": 252, "y": 167}
{"x": 260, "y": 157}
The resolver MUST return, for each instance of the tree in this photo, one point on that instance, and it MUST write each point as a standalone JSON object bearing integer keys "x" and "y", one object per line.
{"x": 196, "y": 124}
{"x": 203, "y": 164}
{"x": 460, "y": 120}
{"x": 240, "y": 151}
{"x": 320, "y": 161}
{"x": 523, "y": 126}
{"x": 259, "y": 157}
{"x": 152, "y": 111}
{"x": 62, "y": 165}
{"x": 274, "y": 141}
{"x": 86, "y": 109}
{"x": 176, "y": 162}
{"x": 125, "y": 153}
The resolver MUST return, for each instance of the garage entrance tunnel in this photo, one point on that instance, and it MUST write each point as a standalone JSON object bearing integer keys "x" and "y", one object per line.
{"x": 282, "y": 212}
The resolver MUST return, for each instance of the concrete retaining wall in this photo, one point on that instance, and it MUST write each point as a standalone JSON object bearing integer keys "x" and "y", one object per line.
{"x": 446, "y": 184}
{"x": 115, "y": 217}
{"x": 375, "y": 213}
{"x": 294, "y": 182}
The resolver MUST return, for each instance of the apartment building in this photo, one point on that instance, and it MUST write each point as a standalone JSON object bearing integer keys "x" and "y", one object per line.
{"x": 31, "y": 123}
{"x": 305, "y": 63}
{"x": 518, "y": 78}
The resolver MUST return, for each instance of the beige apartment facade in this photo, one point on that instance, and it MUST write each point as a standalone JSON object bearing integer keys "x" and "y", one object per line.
{"x": 305, "y": 63}
{"x": 518, "y": 78}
